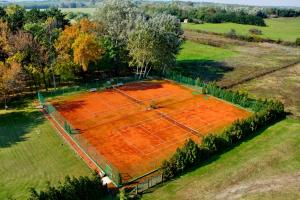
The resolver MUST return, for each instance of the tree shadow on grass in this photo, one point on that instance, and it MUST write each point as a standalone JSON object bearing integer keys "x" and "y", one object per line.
{"x": 211, "y": 160}
{"x": 207, "y": 70}
{"x": 14, "y": 126}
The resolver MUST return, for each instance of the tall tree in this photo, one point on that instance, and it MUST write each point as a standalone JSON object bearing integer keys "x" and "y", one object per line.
{"x": 79, "y": 43}
{"x": 118, "y": 18}
{"x": 11, "y": 79}
{"x": 154, "y": 43}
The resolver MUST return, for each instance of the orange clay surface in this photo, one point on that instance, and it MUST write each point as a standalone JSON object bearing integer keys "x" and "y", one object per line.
{"x": 136, "y": 139}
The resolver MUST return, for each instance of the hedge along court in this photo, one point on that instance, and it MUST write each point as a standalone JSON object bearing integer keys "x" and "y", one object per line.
{"x": 136, "y": 126}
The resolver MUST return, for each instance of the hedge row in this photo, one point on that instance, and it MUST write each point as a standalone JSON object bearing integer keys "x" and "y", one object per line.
{"x": 250, "y": 38}
{"x": 238, "y": 98}
{"x": 192, "y": 154}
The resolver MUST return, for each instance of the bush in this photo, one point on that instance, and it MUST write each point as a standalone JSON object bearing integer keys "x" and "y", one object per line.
{"x": 255, "y": 31}
{"x": 232, "y": 33}
{"x": 73, "y": 188}
{"x": 298, "y": 42}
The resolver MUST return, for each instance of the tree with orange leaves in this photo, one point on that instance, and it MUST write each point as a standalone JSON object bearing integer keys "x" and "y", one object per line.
{"x": 79, "y": 44}
{"x": 11, "y": 79}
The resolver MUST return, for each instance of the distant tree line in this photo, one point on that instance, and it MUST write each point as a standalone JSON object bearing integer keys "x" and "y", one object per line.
{"x": 278, "y": 12}
{"x": 205, "y": 14}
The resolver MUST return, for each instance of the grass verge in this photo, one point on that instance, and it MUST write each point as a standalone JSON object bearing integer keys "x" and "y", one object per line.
{"x": 32, "y": 153}
{"x": 265, "y": 167}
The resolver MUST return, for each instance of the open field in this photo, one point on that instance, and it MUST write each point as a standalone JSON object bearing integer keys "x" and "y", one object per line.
{"x": 265, "y": 167}
{"x": 134, "y": 139}
{"x": 229, "y": 61}
{"x": 286, "y": 29}
{"x": 283, "y": 85}
{"x": 191, "y": 51}
{"x": 32, "y": 153}
{"x": 76, "y": 10}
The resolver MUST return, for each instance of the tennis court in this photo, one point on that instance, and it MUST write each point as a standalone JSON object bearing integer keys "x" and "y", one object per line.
{"x": 119, "y": 125}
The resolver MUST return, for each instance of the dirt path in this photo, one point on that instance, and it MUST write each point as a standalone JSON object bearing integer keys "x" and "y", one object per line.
{"x": 260, "y": 186}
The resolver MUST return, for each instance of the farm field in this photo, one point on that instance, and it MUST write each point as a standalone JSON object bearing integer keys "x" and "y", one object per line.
{"x": 120, "y": 126}
{"x": 274, "y": 29}
{"x": 282, "y": 85}
{"x": 76, "y": 10}
{"x": 32, "y": 153}
{"x": 264, "y": 167}
{"x": 191, "y": 51}
{"x": 229, "y": 61}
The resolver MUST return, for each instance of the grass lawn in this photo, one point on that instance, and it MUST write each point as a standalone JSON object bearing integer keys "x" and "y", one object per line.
{"x": 194, "y": 51}
{"x": 282, "y": 85}
{"x": 287, "y": 29}
{"x": 265, "y": 167}
{"x": 32, "y": 153}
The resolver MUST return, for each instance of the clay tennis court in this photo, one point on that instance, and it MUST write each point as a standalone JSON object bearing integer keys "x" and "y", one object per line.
{"x": 119, "y": 125}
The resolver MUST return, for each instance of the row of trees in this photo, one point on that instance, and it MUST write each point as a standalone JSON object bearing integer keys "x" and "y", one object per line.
{"x": 206, "y": 14}
{"x": 119, "y": 40}
{"x": 278, "y": 12}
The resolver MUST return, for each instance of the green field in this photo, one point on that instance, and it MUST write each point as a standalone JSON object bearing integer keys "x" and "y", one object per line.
{"x": 265, "y": 167}
{"x": 287, "y": 29}
{"x": 32, "y": 153}
{"x": 194, "y": 51}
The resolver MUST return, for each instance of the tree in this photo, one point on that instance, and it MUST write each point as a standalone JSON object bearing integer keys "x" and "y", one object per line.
{"x": 79, "y": 43}
{"x": 118, "y": 18}
{"x": 154, "y": 43}
{"x": 15, "y": 17}
{"x": 11, "y": 79}
{"x": 86, "y": 50}
{"x": 142, "y": 47}
{"x": 4, "y": 35}
{"x": 82, "y": 188}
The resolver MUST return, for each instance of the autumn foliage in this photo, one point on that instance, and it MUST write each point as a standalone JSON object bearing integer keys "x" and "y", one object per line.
{"x": 78, "y": 43}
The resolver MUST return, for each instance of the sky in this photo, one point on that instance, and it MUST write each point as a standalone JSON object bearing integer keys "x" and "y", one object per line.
{"x": 257, "y": 2}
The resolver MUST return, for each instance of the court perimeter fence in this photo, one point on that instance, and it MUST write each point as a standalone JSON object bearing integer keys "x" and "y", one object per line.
{"x": 82, "y": 143}
{"x": 104, "y": 165}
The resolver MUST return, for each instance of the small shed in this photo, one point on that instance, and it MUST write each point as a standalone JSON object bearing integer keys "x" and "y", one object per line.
{"x": 186, "y": 21}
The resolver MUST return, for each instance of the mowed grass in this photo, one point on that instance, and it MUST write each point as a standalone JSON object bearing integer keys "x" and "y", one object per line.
{"x": 265, "y": 167}
{"x": 32, "y": 153}
{"x": 286, "y": 29}
{"x": 194, "y": 51}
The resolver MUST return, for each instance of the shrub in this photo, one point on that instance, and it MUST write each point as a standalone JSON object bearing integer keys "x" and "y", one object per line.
{"x": 298, "y": 42}
{"x": 232, "y": 33}
{"x": 198, "y": 82}
{"x": 73, "y": 188}
{"x": 255, "y": 31}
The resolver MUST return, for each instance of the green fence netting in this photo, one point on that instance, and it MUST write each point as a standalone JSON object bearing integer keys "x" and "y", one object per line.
{"x": 81, "y": 142}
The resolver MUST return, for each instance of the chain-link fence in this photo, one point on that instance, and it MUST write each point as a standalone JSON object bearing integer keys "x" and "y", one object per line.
{"x": 88, "y": 149}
